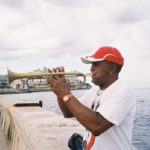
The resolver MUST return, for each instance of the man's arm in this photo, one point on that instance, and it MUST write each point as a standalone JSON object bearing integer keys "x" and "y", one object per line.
{"x": 66, "y": 112}
{"x": 90, "y": 119}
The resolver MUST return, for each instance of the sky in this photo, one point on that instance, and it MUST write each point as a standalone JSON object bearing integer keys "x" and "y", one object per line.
{"x": 51, "y": 33}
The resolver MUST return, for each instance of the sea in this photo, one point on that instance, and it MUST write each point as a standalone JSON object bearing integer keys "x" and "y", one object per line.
{"x": 141, "y": 130}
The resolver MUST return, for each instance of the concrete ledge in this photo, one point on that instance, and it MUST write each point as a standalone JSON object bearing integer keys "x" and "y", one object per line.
{"x": 3, "y": 142}
{"x": 34, "y": 128}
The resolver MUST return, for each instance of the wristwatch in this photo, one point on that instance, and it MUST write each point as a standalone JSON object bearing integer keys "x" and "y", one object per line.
{"x": 67, "y": 97}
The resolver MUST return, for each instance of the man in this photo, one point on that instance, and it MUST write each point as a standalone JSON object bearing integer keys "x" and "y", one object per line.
{"x": 107, "y": 110}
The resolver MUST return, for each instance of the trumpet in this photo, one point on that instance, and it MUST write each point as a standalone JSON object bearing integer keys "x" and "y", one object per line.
{"x": 43, "y": 77}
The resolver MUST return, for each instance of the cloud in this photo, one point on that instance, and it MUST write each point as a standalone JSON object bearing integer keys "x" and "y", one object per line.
{"x": 13, "y": 3}
{"x": 71, "y": 3}
{"x": 49, "y": 31}
{"x": 131, "y": 12}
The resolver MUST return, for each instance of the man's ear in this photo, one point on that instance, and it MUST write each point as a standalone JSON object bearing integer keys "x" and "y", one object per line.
{"x": 113, "y": 68}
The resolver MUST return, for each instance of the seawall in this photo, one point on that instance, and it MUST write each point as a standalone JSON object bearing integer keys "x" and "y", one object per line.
{"x": 35, "y": 128}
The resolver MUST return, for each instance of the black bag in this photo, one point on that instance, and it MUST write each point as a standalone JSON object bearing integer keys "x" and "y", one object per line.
{"x": 75, "y": 142}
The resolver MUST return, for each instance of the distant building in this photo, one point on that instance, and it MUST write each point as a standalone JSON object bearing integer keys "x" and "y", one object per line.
{"x": 4, "y": 81}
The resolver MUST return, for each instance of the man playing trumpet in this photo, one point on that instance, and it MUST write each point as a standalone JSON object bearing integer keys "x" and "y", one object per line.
{"x": 107, "y": 110}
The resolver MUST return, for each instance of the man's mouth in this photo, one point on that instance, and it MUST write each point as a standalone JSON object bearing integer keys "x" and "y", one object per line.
{"x": 93, "y": 75}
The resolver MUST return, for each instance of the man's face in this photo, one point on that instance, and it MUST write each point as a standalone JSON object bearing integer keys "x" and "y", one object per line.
{"x": 101, "y": 73}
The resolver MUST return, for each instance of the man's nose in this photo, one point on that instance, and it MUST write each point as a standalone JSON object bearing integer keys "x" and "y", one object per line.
{"x": 92, "y": 68}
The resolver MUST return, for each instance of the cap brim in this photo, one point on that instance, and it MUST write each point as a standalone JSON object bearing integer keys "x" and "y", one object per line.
{"x": 89, "y": 60}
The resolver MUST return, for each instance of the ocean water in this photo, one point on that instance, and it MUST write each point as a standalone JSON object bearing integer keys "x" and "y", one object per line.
{"x": 141, "y": 132}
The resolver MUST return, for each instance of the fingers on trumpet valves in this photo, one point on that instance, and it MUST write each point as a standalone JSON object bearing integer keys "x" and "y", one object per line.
{"x": 54, "y": 77}
{"x": 57, "y": 70}
{"x": 50, "y": 70}
{"x": 62, "y": 69}
{"x": 53, "y": 70}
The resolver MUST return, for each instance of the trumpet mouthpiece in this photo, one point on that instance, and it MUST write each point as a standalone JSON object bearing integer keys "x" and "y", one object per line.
{"x": 88, "y": 74}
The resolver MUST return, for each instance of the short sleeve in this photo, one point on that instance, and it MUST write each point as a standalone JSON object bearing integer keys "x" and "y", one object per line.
{"x": 117, "y": 107}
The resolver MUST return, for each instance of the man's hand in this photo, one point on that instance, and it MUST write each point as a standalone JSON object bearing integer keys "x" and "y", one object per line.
{"x": 59, "y": 84}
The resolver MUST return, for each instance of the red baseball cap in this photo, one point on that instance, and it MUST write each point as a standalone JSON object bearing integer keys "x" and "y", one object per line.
{"x": 104, "y": 53}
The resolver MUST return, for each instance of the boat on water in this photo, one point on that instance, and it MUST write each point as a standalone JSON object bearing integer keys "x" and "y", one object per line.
{"x": 84, "y": 86}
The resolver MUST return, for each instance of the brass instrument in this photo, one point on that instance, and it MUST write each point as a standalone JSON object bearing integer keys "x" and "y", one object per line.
{"x": 43, "y": 77}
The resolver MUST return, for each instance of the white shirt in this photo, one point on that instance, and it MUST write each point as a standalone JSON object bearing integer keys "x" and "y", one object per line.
{"x": 117, "y": 104}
